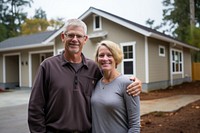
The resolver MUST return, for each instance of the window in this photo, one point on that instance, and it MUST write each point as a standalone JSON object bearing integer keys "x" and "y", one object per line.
{"x": 162, "y": 51}
{"x": 96, "y": 22}
{"x": 177, "y": 61}
{"x": 128, "y": 63}
{"x": 42, "y": 57}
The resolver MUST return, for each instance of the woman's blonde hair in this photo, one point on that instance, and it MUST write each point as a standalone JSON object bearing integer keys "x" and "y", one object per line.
{"x": 113, "y": 48}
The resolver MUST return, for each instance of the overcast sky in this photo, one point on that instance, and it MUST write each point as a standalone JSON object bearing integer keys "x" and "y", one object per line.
{"x": 135, "y": 10}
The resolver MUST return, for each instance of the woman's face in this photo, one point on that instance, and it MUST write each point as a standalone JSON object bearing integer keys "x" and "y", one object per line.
{"x": 105, "y": 59}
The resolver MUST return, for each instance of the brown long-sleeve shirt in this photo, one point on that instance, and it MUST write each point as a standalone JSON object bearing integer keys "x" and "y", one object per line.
{"x": 60, "y": 97}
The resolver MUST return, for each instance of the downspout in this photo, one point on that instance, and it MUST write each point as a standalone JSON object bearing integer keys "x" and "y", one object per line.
{"x": 171, "y": 75}
{"x": 146, "y": 60}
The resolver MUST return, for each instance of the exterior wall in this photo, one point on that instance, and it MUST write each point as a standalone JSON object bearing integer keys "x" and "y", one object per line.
{"x": 12, "y": 69}
{"x": 158, "y": 65}
{"x": 58, "y": 45}
{"x": 118, "y": 34}
{"x": 187, "y": 63}
{"x": 90, "y": 46}
{"x": 35, "y": 63}
{"x": 24, "y": 68}
{"x": 176, "y": 78}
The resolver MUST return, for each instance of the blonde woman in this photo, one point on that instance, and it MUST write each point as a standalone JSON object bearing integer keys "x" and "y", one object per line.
{"x": 113, "y": 110}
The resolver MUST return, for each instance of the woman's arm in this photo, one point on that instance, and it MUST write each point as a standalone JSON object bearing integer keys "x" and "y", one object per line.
{"x": 133, "y": 112}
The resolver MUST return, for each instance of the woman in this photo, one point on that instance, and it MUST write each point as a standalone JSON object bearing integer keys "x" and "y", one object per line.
{"x": 113, "y": 110}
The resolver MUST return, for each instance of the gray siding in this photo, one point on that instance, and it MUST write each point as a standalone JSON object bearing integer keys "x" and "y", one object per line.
{"x": 158, "y": 65}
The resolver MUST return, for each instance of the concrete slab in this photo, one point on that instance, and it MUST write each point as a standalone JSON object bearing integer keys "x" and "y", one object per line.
{"x": 168, "y": 104}
{"x": 14, "y": 108}
{"x": 14, "y": 97}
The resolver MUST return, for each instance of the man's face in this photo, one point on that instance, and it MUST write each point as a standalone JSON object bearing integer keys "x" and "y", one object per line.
{"x": 74, "y": 39}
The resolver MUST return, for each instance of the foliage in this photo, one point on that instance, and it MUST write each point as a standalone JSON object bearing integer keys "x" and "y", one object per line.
{"x": 14, "y": 21}
{"x": 12, "y": 16}
{"x": 194, "y": 37}
{"x": 34, "y": 25}
{"x": 178, "y": 15}
{"x": 40, "y": 14}
{"x": 39, "y": 23}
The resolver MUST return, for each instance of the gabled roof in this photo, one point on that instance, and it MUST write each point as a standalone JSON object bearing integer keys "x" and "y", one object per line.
{"x": 45, "y": 38}
{"x": 135, "y": 27}
{"x": 27, "y": 41}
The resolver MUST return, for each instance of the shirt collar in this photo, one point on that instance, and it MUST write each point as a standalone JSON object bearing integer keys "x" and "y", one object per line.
{"x": 65, "y": 62}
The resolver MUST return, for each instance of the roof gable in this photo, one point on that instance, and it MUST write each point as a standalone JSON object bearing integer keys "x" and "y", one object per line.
{"x": 135, "y": 27}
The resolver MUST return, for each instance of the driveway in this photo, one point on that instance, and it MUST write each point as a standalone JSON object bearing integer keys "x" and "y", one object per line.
{"x": 13, "y": 111}
{"x": 14, "y": 106}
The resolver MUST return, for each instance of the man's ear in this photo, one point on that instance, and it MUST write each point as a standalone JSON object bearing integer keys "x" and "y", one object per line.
{"x": 62, "y": 36}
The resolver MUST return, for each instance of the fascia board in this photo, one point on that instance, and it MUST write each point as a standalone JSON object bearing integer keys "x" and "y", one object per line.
{"x": 27, "y": 47}
{"x": 157, "y": 36}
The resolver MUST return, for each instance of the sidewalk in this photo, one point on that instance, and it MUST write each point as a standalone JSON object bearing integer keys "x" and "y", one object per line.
{"x": 13, "y": 108}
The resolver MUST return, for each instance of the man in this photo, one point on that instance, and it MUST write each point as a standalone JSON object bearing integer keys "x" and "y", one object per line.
{"x": 60, "y": 98}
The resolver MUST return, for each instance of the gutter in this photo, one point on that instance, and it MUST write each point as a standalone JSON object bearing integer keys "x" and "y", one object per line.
{"x": 28, "y": 46}
{"x": 173, "y": 41}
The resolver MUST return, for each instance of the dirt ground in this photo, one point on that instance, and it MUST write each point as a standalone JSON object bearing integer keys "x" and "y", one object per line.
{"x": 184, "y": 120}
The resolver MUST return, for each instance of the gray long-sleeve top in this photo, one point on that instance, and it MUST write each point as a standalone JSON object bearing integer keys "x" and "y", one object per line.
{"x": 113, "y": 110}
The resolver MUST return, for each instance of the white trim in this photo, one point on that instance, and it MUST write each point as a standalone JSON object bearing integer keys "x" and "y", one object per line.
{"x": 30, "y": 62}
{"x": 146, "y": 49}
{"x": 134, "y": 57}
{"x": 4, "y": 66}
{"x": 94, "y": 23}
{"x": 171, "y": 73}
{"x": 27, "y": 46}
{"x": 167, "y": 39}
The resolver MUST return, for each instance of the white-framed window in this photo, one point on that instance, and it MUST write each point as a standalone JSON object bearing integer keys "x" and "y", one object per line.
{"x": 97, "y": 23}
{"x": 161, "y": 51}
{"x": 128, "y": 63}
{"x": 177, "y": 61}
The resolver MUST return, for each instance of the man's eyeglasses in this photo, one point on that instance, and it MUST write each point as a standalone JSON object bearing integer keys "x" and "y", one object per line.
{"x": 71, "y": 36}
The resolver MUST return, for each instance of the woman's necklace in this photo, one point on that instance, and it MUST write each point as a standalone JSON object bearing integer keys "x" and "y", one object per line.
{"x": 105, "y": 81}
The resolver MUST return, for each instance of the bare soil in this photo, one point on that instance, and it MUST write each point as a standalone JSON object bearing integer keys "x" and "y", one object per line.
{"x": 184, "y": 120}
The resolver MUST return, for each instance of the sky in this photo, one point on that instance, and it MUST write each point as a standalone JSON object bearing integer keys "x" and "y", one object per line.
{"x": 137, "y": 11}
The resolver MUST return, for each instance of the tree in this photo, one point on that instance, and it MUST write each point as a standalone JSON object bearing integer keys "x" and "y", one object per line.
{"x": 39, "y": 23}
{"x": 11, "y": 16}
{"x": 40, "y": 14}
{"x": 184, "y": 17}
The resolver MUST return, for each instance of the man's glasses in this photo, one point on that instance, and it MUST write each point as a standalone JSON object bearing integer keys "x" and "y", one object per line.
{"x": 71, "y": 36}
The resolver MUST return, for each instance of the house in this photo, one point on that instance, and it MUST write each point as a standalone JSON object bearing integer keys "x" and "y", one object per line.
{"x": 156, "y": 59}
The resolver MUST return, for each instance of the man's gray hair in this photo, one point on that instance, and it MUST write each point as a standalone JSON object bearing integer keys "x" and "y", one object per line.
{"x": 75, "y": 22}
